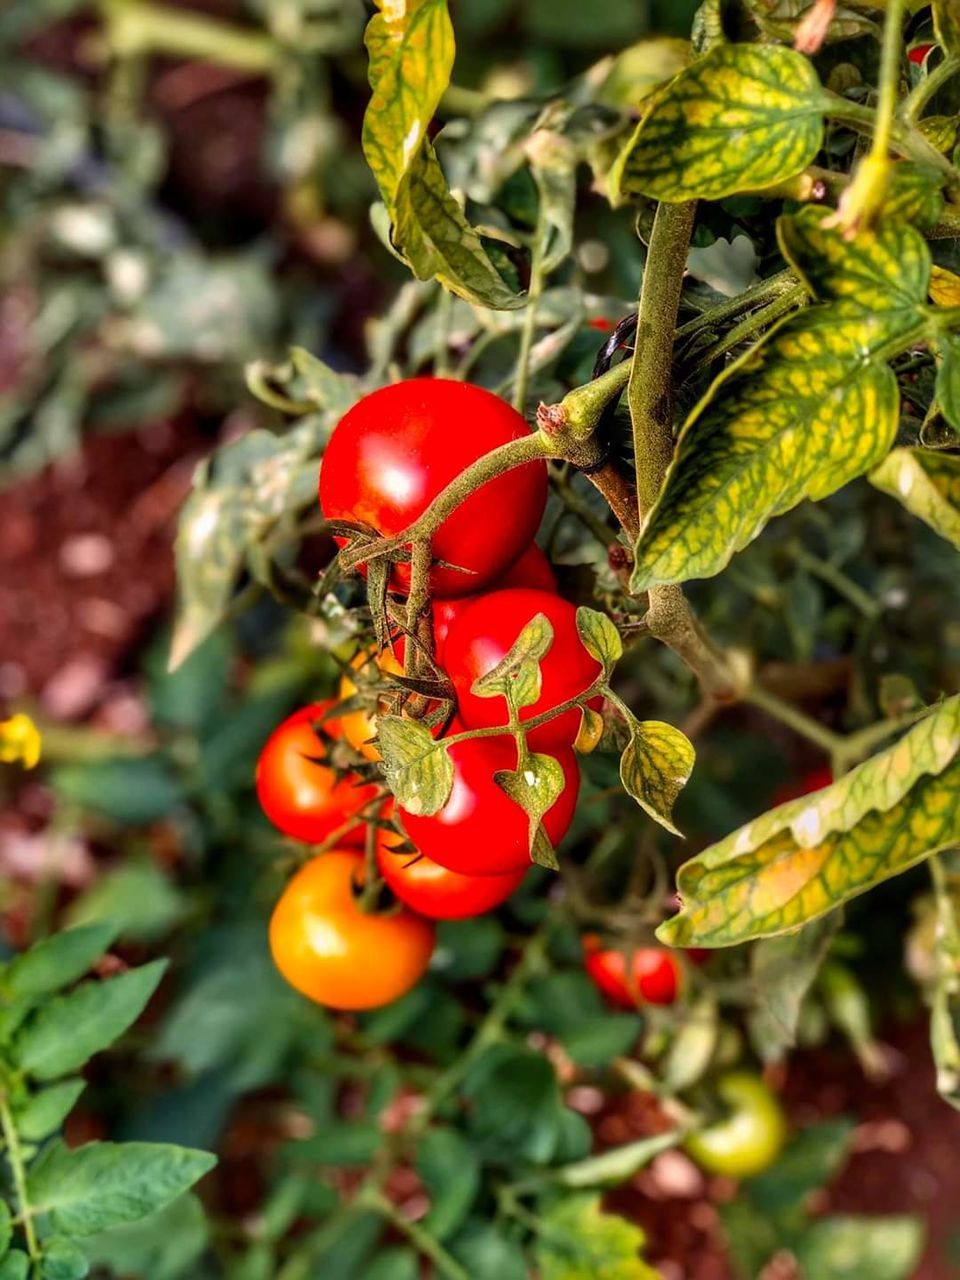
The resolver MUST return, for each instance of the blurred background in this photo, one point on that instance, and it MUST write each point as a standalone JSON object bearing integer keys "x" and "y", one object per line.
{"x": 182, "y": 192}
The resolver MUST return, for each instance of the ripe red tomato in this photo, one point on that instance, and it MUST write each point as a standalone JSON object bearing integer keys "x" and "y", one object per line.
{"x": 815, "y": 780}
{"x": 336, "y": 954}
{"x": 480, "y": 831}
{"x": 482, "y": 636}
{"x": 398, "y": 448}
{"x": 919, "y": 52}
{"x": 301, "y": 795}
{"x": 531, "y": 570}
{"x": 645, "y": 975}
{"x": 438, "y": 892}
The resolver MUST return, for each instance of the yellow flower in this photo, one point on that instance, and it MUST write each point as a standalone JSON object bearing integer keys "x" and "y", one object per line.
{"x": 19, "y": 741}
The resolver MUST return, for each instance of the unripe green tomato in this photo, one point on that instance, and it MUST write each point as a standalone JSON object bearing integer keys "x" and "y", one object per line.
{"x": 749, "y": 1138}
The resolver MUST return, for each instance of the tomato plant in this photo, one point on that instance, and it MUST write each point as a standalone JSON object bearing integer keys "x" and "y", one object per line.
{"x": 298, "y": 790}
{"x": 334, "y": 952}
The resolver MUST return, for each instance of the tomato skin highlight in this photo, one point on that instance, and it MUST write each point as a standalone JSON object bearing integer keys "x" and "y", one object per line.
{"x": 437, "y": 892}
{"x": 399, "y": 447}
{"x": 336, "y": 954}
{"x": 480, "y": 831}
{"x": 644, "y": 975}
{"x": 302, "y": 798}
{"x": 749, "y": 1138}
{"x": 483, "y": 635}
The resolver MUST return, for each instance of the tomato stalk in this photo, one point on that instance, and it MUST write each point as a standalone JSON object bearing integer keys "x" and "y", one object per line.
{"x": 18, "y": 1171}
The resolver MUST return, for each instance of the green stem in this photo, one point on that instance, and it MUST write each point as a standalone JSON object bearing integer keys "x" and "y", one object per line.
{"x": 835, "y": 578}
{"x": 441, "y": 350}
{"x": 802, "y": 724}
{"x": 431, "y": 1248}
{"x": 921, "y": 94}
{"x": 515, "y": 453}
{"x": 650, "y": 391}
{"x": 751, "y": 325}
{"x": 134, "y": 28}
{"x": 18, "y": 1170}
{"x": 855, "y": 746}
{"x": 890, "y": 55}
{"x": 521, "y": 376}
{"x": 756, "y": 296}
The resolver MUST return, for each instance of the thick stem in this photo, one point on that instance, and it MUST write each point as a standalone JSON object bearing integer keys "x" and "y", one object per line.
{"x": 794, "y": 719}
{"x": 620, "y": 495}
{"x": 134, "y": 28}
{"x": 889, "y": 76}
{"x": 671, "y": 620}
{"x": 18, "y": 1171}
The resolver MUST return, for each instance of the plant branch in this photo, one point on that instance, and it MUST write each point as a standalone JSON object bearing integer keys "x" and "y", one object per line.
{"x": 921, "y": 94}
{"x": 446, "y": 1265}
{"x": 793, "y": 718}
{"x": 18, "y": 1171}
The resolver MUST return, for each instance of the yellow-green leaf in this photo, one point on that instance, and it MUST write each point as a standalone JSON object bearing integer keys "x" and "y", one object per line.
{"x": 927, "y": 482}
{"x": 797, "y": 417}
{"x": 411, "y": 50}
{"x": 655, "y": 767}
{"x": 796, "y": 862}
{"x": 742, "y": 117}
{"x": 882, "y": 270}
{"x": 417, "y": 767}
{"x": 517, "y": 676}
{"x": 779, "y": 19}
{"x": 944, "y": 287}
{"x": 914, "y": 194}
{"x": 940, "y": 132}
{"x": 581, "y": 1242}
{"x": 946, "y": 23}
{"x": 600, "y": 637}
{"x": 535, "y": 787}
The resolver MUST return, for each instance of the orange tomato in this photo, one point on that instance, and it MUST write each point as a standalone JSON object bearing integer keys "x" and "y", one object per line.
{"x": 359, "y": 727}
{"x": 335, "y": 953}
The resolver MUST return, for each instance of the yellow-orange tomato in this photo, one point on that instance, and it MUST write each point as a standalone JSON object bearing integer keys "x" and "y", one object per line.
{"x": 358, "y": 727}
{"x": 337, "y": 954}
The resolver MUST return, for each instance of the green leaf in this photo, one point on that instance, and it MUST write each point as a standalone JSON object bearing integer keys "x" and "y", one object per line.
{"x": 6, "y": 1227}
{"x": 487, "y": 1254}
{"x": 948, "y": 379}
{"x": 619, "y": 1163}
{"x": 15, "y": 1266}
{"x": 946, "y": 24}
{"x": 132, "y": 792}
{"x": 810, "y": 1159}
{"x": 417, "y": 767}
{"x": 600, "y": 637}
{"x": 451, "y": 1172}
{"x": 70, "y": 1029}
{"x": 44, "y": 1112}
{"x": 136, "y": 897}
{"x": 581, "y": 1242}
{"x": 782, "y": 971}
{"x": 102, "y": 1184}
{"x": 411, "y": 51}
{"x": 596, "y": 1041}
{"x": 693, "y": 1046}
{"x": 398, "y": 1262}
{"x": 517, "y": 675}
{"x": 57, "y": 961}
{"x": 798, "y": 861}
{"x": 514, "y": 1104}
{"x": 535, "y": 787}
{"x": 335, "y": 392}
{"x": 655, "y": 766}
{"x": 63, "y": 1260}
{"x": 927, "y": 482}
{"x": 779, "y": 19}
{"x": 796, "y": 417}
{"x": 914, "y": 194}
{"x": 740, "y": 118}
{"x": 165, "y": 1245}
{"x": 849, "y": 1248}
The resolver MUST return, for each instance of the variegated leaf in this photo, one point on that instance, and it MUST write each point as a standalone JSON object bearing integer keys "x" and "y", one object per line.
{"x": 742, "y": 117}
{"x": 417, "y": 767}
{"x": 927, "y": 482}
{"x": 655, "y": 766}
{"x": 798, "y": 861}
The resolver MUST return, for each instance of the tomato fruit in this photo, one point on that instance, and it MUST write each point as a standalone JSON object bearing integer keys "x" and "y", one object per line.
{"x": 359, "y": 727}
{"x": 399, "y": 447}
{"x": 480, "y": 831}
{"x": 438, "y": 892}
{"x": 482, "y": 636}
{"x": 301, "y": 795}
{"x": 749, "y": 1138}
{"x": 643, "y": 975}
{"x": 338, "y": 955}
{"x": 815, "y": 780}
{"x": 531, "y": 570}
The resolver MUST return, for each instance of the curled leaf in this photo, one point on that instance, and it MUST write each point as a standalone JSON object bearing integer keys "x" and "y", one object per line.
{"x": 418, "y": 769}
{"x": 600, "y": 637}
{"x": 517, "y": 675}
{"x": 655, "y": 767}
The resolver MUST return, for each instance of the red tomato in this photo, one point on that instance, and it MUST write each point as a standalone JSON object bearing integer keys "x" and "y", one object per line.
{"x": 482, "y": 636}
{"x": 299, "y": 794}
{"x": 398, "y": 448}
{"x": 531, "y": 570}
{"x": 919, "y": 52}
{"x": 336, "y": 954}
{"x": 480, "y": 831}
{"x": 815, "y": 780}
{"x": 438, "y": 892}
{"x": 645, "y": 975}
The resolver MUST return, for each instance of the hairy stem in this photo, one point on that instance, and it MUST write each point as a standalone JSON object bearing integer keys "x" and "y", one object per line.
{"x": 18, "y": 1171}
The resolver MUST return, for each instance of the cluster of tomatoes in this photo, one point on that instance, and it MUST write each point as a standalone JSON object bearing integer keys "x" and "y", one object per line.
{"x": 387, "y": 459}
